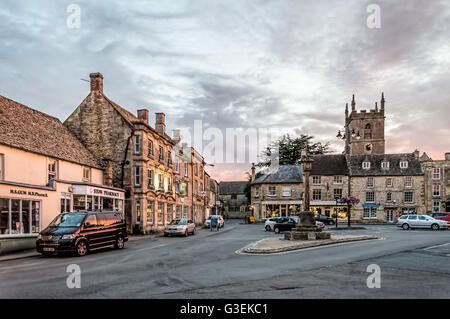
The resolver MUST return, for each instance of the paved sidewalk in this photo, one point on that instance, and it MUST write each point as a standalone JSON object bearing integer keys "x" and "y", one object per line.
{"x": 19, "y": 255}
{"x": 279, "y": 245}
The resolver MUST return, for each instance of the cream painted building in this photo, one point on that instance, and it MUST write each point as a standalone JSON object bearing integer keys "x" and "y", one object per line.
{"x": 44, "y": 170}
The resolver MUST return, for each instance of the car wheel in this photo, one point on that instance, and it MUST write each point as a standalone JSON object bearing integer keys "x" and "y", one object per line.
{"x": 277, "y": 230}
{"x": 81, "y": 248}
{"x": 435, "y": 227}
{"x": 119, "y": 242}
{"x": 405, "y": 226}
{"x": 268, "y": 228}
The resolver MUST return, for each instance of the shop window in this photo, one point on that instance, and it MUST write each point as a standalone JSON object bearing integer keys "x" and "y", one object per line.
{"x": 409, "y": 197}
{"x": 35, "y": 217}
{"x": 161, "y": 213}
{"x": 370, "y": 213}
{"x": 169, "y": 212}
{"x": 79, "y": 203}
{"x": 86, "y": 174}
{"x": 150, "y": 211}
{"x": 4, "y": 216}
{"x": 108, "y": 203}
{"x": 138, "y": 211}
{"x": 52, "y": 170}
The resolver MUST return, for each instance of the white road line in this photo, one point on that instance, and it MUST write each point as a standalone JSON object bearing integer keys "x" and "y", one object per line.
{"x": 436, "y": 246}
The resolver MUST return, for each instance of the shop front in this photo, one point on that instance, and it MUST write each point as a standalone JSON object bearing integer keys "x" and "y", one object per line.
{"x": 281, "y": 208}
{"x": 89, "y": 197}
{"x": 329, "y": 208}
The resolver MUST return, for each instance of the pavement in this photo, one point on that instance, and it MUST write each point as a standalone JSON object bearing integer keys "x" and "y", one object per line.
{"x": 280, "y": 245}
{"x": 413, "y": 264}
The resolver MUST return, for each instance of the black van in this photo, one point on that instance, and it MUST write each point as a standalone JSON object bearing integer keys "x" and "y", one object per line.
{"x": 81, "y": 232}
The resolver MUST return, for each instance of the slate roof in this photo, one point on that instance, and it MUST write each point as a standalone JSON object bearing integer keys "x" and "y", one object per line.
{"x": 329, "y": 164}
{"x": 232, "y": 188}
{"x": 284, "y": 174}
{"x": 30, "y": 130}
{"x": 414, "y": 165}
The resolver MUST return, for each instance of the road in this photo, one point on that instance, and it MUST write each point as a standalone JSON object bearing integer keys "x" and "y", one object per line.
{"x": 414, "y": 264}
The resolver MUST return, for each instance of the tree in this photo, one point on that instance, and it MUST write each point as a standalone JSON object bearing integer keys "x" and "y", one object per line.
{"x": 290, "y": 149}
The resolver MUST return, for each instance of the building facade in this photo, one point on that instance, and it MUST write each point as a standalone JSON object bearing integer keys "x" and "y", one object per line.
{"x": 44, "y": 171}
{"x": 234, "y": 199}
{"x": 162, "y": 180}
{"x": 437, "y": 183}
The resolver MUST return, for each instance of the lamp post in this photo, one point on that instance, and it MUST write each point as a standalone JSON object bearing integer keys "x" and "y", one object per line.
{"x": 306, "y": 162}
{"x": 336, "y": 212}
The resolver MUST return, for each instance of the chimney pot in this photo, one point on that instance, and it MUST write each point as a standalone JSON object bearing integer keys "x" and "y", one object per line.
{"x": 96, "y": 82}
{"x": 143, "y": 115}
{"x": 447, "y": 156}
{"x": 160, "y": 124}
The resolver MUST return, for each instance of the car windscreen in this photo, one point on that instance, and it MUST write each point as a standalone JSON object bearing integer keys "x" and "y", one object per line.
{"x": 68, "y": 220}
{"x": 178, "y": 222}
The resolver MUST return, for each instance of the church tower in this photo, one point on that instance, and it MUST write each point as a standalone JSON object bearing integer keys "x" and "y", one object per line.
{"x": 364, "y": 130}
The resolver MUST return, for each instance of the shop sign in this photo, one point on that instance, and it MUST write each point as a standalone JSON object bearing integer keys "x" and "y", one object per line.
{"x": 28, "y": 193}
{"x": 95, "y": 191}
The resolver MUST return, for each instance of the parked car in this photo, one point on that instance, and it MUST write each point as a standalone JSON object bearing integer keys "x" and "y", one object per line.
{"x": 270, "y": 222}
{"x": 325, "y": 219}
{"x": 284, "y": 224}
{"x": 421, "y": 221}
{"x": 207, "y": 223}
{"x": 440, "y": 216}
{"x": 82, "y": 232}
{"x": 181, "y": 226}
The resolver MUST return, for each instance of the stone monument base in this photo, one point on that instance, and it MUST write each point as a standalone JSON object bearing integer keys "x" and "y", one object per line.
{"x": 307, "y": 229}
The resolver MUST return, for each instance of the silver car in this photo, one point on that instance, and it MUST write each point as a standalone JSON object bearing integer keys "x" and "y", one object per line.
{"x": 182, "y": 226}
{"x": 207, "y": 223}
{"x": 421, "y": 221}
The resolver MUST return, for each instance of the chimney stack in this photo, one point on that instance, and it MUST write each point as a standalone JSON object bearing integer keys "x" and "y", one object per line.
{"x": 253, "y": 172}
{"x": 447, "y": 156}
{"x": 160, "y": 124}
{"x": 143, "y": 115}
{"x": 96, "y": 82}
{"x": 416, "y": 153}
{"x": 176, "y": 135}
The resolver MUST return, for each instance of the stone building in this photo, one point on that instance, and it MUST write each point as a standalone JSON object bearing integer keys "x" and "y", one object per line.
{"x": 437, "y": 183}
{"x": 277, "y": 192}
{"x": 141, "y": 158}
{"x": 234, "y": 199}
{"x": 44, "y": 171}
{"x": 387, "y": 185}
{"x": 213, "y": 195}
{"x": 328, "y": 182}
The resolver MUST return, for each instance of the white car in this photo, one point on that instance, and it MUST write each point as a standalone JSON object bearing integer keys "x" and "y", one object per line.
{"x": 270, "y": 222}
{"x": 207, "y": 223}
{"x": 421, "y": 221}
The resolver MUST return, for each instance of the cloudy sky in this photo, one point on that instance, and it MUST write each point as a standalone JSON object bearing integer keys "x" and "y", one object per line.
{"x": 288, "y": 65}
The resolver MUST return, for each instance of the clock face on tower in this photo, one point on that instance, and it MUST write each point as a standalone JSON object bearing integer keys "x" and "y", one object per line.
{"x": 368, "y": 148}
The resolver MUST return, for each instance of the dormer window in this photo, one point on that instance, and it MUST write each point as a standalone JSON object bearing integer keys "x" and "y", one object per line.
{"x": 366, "y": 165}
{"x": 385, "y": 165}
{"x": 403, "y": 164}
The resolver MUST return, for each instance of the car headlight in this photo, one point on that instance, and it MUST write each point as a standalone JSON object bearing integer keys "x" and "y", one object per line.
{"x": 71, "y": 236}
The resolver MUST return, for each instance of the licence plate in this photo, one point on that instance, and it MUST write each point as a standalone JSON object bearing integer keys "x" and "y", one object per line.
{"x": 49, "y": 249}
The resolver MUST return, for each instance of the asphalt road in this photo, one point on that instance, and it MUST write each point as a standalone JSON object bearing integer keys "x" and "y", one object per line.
{"x": 414, "y": 264}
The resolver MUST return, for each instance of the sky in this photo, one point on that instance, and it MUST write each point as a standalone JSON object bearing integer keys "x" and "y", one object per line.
{"x": 289, "y": 66}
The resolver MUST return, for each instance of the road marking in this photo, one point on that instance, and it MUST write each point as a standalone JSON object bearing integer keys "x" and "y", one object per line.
{"x": 436, "y": 246}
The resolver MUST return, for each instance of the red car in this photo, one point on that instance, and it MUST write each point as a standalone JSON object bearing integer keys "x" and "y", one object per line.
{"x": 441, "y": 216}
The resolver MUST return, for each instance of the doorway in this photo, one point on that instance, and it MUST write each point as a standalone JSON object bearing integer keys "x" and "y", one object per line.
{"x": 390, "y": 215}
